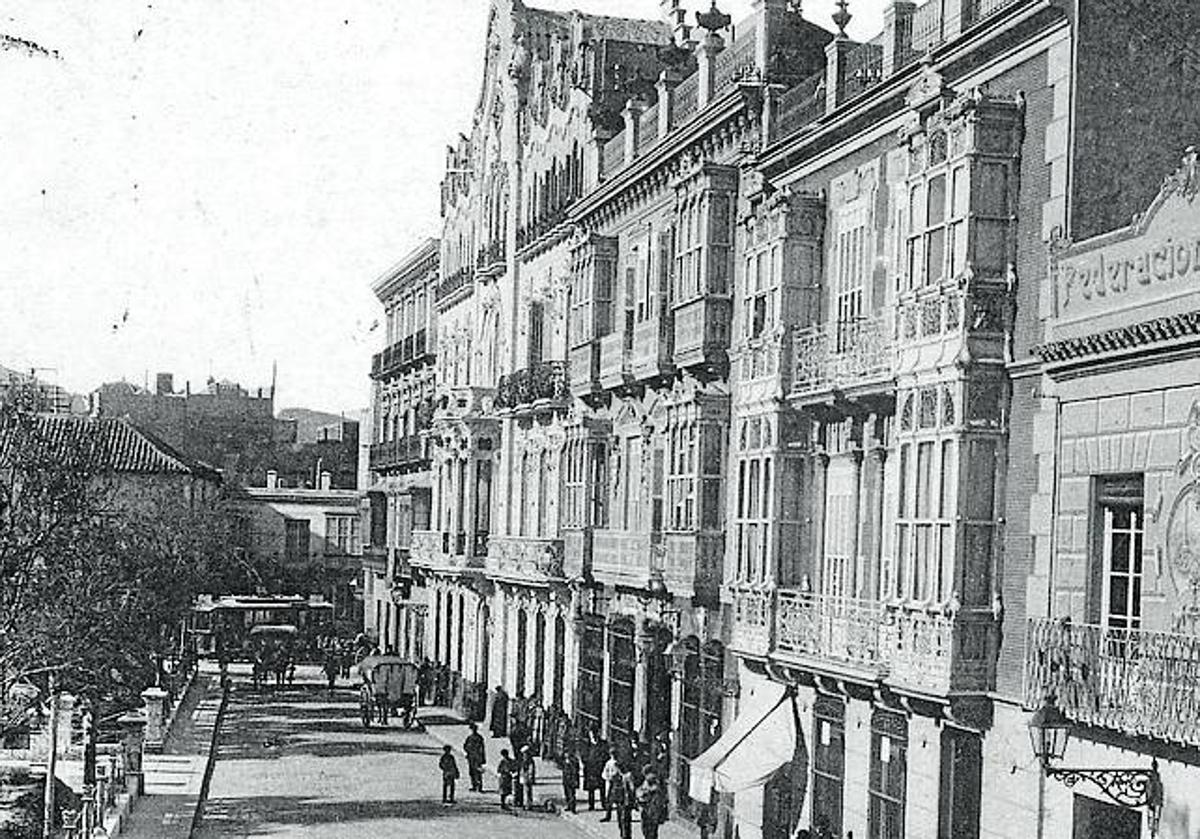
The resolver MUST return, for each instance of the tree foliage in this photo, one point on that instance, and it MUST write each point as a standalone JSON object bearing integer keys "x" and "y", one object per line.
{"x": 98, "y": 568}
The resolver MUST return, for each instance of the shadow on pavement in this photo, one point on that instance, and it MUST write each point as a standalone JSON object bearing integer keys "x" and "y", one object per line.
{"x": 224, "y": 816}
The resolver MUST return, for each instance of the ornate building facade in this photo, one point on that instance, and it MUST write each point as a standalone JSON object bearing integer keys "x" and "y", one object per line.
{"x": 399, "y": 491}
{"x": 778, "y": 425}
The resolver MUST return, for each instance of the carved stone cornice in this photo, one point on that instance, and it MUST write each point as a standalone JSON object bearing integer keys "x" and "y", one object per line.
{"x": 1146, "y": 333}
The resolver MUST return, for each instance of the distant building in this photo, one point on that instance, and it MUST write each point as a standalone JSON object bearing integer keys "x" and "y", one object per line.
{"x": 225, "y": 425}
{"x": 236, "y": 430}
{"x": 52, "y": 398}
{"x": 313, "y": 532}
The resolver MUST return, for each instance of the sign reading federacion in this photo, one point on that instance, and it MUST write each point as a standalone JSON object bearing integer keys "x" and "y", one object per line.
{"x": 1156, "y": 258}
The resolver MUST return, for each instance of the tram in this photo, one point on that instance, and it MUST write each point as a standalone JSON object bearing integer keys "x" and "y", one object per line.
{"x": 233, "y": 625}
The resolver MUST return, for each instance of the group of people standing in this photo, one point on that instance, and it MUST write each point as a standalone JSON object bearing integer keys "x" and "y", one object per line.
{"x": 624, "y": 785}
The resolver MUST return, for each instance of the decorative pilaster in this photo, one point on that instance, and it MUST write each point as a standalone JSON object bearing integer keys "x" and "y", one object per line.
{"x": 897, "y": 34}
{"x": 706, "y": 56}
{"x": 632, "y": 113}
{"x": 835, "y": 58}
{"x": 668, "y": 79}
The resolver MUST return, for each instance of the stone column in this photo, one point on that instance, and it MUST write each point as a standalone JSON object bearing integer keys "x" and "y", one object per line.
{"x": 665, "y": 87}
{"x": 706, "y": 55}
{"x": 897, "y": 33}
{"x": 856, "y": 457}
{"x": 133, "y": 734}
{"x": 835, "y": 69}
{"x": 820, "y": 475}
{"x": 66, "y": 721}
{"x": 632, "y": 113}
{"x": 644, "y": 646}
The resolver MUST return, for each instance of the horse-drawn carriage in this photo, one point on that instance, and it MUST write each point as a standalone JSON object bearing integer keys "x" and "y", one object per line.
{"x": 389, "y": 686}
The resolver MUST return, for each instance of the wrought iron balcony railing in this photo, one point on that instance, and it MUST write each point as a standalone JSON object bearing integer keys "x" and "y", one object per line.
{"x": 849, "y": 354}
{"x": 840, "y": 629}
{"x": 546, "y": 381}
{"x": 405, "y": 451}
{"x": 752, "y": 615}
{"x": 1134, "y": 681}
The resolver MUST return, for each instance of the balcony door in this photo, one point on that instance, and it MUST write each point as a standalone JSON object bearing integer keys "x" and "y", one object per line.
{"x": 1121, "y": 527}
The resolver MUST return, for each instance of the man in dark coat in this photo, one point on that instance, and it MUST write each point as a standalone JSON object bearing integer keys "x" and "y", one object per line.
{"x": 500, "y": 712}
{"x": 595, "y": 755}
{"x": 570, "y": 778}
{"x": 505, "y": 771}
{"x": 473, "y": 748}
{"x": 449, "y": 767}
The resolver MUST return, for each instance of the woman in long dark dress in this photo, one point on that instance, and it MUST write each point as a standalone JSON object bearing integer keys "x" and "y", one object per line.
{"x": 499, "y": 726}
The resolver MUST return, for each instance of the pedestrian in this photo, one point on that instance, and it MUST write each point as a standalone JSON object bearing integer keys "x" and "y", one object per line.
{"x": 332, "y": 666}
{"x": 500, "y": 712}
{"x": 473, "y": 748}
{"x": 621, "y": 797}
{"x": 612, "y": 778}
{"x": 518, "y": 736}
{"x": 570, "y": 779}
{"x": 449, "y": 767}
{"x": 593, "y": 756}
{"x": 652, "y": 801}
{"x": 505, "y": 770}
{"x": 527, "y": 771}
{"x": 424, "y": 681}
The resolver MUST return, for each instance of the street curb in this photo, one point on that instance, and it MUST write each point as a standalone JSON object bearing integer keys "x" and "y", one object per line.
{"x": 210, "y": 763}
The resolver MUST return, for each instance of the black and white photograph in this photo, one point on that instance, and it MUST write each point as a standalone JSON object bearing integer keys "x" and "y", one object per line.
{"x": 600, "y": 419}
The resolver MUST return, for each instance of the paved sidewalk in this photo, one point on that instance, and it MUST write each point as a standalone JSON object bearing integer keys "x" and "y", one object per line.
{"x": 447, "y": 726}
{"x": 175, "y": 779}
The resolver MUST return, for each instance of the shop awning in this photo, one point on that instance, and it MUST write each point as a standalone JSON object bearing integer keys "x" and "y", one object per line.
{"x": 761, "y": 739}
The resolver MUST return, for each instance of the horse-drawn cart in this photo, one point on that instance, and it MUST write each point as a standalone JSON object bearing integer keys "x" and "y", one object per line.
{"x": 389, "y": 685}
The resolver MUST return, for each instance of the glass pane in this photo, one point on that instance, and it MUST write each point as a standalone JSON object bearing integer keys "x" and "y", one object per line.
{"x": 935, "y": 244}
{"x": 1120, "y": 552}
{"x": 937, "y": 201}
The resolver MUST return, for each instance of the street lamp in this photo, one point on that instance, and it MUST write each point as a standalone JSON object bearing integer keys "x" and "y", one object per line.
{"x": 1049, "y": 731}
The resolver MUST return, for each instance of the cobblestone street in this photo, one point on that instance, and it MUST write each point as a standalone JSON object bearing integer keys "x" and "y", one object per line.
{"x": 298, "y": 762}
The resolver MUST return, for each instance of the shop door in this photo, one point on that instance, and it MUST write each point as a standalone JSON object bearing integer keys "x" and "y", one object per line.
{"x": 1098, "y": 820}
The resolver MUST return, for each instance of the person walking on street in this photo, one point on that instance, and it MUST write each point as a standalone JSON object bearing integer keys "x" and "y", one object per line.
{"x": 505, "y": 770}
{"x": 528, "y": 774}
{"x": 449, "y": 767}
{"x": 500, "y": 712}
{"x": 332, "y": 666}
{"x": 473, "y": 748}
{"x": 612, "y": 778}
{"x": 593, "y": 756}
{"x": 621, "y": 797}
{"x": 570, "y": 779}
{"x": 652, "y": 801}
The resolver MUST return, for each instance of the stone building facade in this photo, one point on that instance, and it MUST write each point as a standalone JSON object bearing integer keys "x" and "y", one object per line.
{"x": 779, "y": 423}
{"x": 398, "y": 492}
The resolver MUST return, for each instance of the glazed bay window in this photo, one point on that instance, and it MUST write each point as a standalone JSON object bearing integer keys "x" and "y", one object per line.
{"x": 938, "y": 201}
{"x": 753, "y": 505}
{"x": 761, "y": 293}
{"x": 852, "y": 264}
{"x": 689, "y": 248}
{"x": 574, "y": 493}
{"x": 926, "y": 493}
{"x": 681, "y": 476}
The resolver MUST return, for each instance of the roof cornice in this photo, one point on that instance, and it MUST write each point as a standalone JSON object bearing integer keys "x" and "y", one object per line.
{"x": 412, "y": 266}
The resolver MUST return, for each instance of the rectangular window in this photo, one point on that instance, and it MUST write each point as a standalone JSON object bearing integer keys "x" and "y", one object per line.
{"x": 295, "y": 540}
{"x": 888, "y": 775}
{"x": 341, "y": 534}
{"x": 1122, "y": 530}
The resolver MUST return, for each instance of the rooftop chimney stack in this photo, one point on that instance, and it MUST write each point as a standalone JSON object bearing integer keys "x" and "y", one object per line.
{"x": 272, "y": 479}
{"x": 164, "y": 384}
{"x": 326, "y": 480}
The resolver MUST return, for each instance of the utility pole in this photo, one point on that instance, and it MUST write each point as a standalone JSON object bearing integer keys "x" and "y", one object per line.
{"x": 51, "y": 761}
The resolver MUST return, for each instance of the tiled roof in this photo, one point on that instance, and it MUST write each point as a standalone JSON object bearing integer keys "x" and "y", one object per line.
{"x": 117, "y": 445}
{"x": 631, "y": 30}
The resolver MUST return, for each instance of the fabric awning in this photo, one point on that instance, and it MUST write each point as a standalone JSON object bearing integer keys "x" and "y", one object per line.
{"x": 761, "y": 739}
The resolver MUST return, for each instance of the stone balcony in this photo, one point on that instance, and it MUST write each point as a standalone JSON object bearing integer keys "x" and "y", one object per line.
{"x": 915, "y": 650}
{"x": 439, "y": 550}
{"x": 621, "y": 557}
{"x": 846, "y": 358}
{"x": 583, "y": 367}
{"x": 701, "y": 332}
{"x": 525, "y": 558}
{"x": 541, "y": 386}
{"x": 375, "y": 559}
{"x": 1137, "y": 682}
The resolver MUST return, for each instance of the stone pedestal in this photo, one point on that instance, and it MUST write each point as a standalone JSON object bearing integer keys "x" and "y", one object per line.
{"x": 133, "y": 736}
{"x": 66, "y": 722}
{"x": 156, "y": 718}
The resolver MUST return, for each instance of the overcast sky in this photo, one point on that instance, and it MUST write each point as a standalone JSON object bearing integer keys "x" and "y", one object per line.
{"x": 208, "y": 187}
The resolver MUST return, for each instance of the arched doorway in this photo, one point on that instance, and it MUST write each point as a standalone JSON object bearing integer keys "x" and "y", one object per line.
{"x": 438, "y": 610}
{"x": 658, "y": 683}
{"x": 589, "y": 691}
{"x": 458, "y": 651}
{"x": 622, "y": 676}
{"x": 702, "y": 698}
{"x": 448, "y": 632}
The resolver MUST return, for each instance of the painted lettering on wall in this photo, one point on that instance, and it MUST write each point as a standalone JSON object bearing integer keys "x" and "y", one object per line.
{"x": 1107, "y": 274}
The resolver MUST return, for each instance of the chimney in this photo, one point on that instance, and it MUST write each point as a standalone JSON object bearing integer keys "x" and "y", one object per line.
{"x": 632, "y": 114}
{"x": 897, "y": 34}
{"x": 272, "y": 479}
{"x": 164, "y": 384}
{"x": 675, "y": 18}
{"x": 326, "y": 480}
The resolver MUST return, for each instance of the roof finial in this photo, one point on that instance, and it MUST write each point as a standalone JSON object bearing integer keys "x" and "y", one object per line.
{"x": 713, "y": 20}
{"x": 841, "y": 17}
